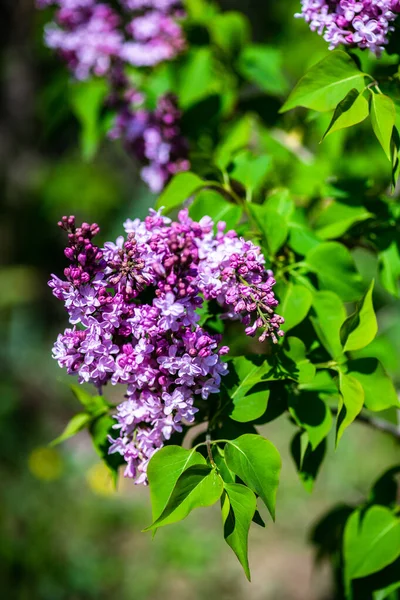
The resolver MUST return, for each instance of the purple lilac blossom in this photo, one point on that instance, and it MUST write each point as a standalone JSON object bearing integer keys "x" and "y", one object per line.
{"x": 90, "y": 35}
{"x": 154, "y": 138}
{"x": 362, "y": 23}
{"x": 133, "y": 307}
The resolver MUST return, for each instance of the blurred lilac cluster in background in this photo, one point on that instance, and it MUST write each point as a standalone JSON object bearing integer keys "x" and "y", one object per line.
{"x": 94, "y": 40}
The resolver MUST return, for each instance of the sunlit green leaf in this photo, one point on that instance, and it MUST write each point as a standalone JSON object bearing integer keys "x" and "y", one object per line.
{"x": 179, "y": 189}
{"x": 164, "y": 470}
{"x": 389, "y": 263}
{"x": 371, "y": 542}
{"x": 198, "y": 486}
{"x": 295, "y": 302}
{"x": 214, "y": 205}
{"x": 78, "y": 422}
{"x": 350, "y": 403}
{"x": 326, "y": 83}
{"x": 383, "y": 118}
{"x": 238, "y": 508}
{"x": 257, "y": 462}
{"x": 360, "y": 328}
{"x": 330, "y": 314}
{"x": 351, "y": 110}
{"x": 379, "y": 390}
{"x": 87, "y": 99}
{"x": 248, "y": 393}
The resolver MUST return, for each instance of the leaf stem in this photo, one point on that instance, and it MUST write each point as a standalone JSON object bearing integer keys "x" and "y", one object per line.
{"x": 209, "y": 453}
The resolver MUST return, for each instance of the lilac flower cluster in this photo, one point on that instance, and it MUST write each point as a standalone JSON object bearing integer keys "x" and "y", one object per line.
{"x": 133, "y": 307}
{"x": 90, "y": 35}
{"x": 362, "y": 23}
{"x": 154, "y": 138}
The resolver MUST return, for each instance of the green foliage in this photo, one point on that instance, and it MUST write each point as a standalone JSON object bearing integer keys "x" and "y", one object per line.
{"x": 326, "y": 84}
{"x": 87, "y": 99}
{"x": 335, "y": 269}
{"x": 383, "y": 118}
{"x": 371, "y": 542}
{"x": 199, "y": 485}
{"x": 179, "y": 189}
{"x": 360, "y": 328}
{"x": 351, "y": 110}
{"x": 238, "y": 508}
{"x": 257, "y": 462}
{"x": 249, "y": 396}
{"x": 350, "y": 402}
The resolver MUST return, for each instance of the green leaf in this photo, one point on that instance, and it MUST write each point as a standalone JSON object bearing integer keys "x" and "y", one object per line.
{"x": 281, "y": 202}
{"x": 198, "y": 486}
{"x": 361, "y": 327}
{"x": 179, "y": 189}
{"x": 307, "y": 460}
{"x": 257, "y": 462}
{"x": 272, "y": 226}
{"x": 219, "y": 459}
{"x": 378, "y": 387}
{"x": 214, "y": 205}
{"x": 371, "y": 542}
{"x": 336, "y": 270}
{"x": 330, "y": 313}
{"x": 196, "y": 76}
{"x": 248, "y": 393}
{"x": 351, "y": 110}
{"x": 295, "y": 302}
{"x": 78, "y": 422}
{"x": 383, "y": 118}
{"x": 230, "y": 30}
{"x": 164, "y": 470}
{"x": 326, "y": 83}
{"x": 262, "y": 65}
{"x": 312, "y": 414}
{"x": 250, "y": 170}
{"x": 237, "y": 139}
{"x": 387, "y": 592}
{"x": 95, "y": 405}
{"x": 302, "y": 239}
{"x": 87, "y": 99}
{"x": 101, "y": 429}
{"x": 350, "y": 403}
{"x": 389, "y": 266}
{"x": 238, "y": 508}
{"x": 337, "y": 217}
{"x": 294, "y": 361}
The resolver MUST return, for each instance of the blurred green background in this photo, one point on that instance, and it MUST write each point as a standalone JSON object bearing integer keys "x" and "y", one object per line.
{"x": 65, "y": 534}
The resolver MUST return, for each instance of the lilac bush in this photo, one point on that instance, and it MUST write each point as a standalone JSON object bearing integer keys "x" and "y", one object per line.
{"x": 362, "y": 23}
{"x": 133, "y": 306}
